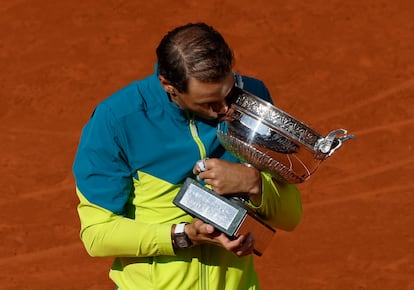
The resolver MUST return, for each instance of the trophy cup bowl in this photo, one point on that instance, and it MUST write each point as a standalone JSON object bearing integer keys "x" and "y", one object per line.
{"x": 271, "y": 140}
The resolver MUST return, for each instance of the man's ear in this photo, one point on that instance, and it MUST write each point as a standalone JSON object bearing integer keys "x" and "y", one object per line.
{"x": 167, "y": 86}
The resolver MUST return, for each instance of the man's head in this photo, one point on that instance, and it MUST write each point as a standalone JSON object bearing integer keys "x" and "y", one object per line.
{"x": 195, "y": 68}
{"x": 193, "y": 50}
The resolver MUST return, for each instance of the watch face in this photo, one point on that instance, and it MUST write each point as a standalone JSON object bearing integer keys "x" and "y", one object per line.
{"x": 181, "y": 241}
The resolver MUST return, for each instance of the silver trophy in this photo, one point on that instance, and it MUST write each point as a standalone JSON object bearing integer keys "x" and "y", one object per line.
{"x": 262, "y": 135}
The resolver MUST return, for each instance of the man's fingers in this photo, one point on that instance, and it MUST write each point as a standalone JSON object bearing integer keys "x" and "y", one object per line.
{"x": 246, "y": 247}
{"x": 203, "y": 228}
{"x": 208, "y": 229}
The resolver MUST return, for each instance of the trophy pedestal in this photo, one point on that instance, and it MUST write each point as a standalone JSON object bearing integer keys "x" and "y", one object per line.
{"x": 230, "y": 216}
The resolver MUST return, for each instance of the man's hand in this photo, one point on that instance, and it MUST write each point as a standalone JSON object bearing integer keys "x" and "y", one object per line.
{"x": 226, "y": 177}
{"x": 199, "y": 233}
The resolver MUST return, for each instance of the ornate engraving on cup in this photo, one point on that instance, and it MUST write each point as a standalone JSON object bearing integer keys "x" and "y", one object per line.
{"x": 277, "y": 118}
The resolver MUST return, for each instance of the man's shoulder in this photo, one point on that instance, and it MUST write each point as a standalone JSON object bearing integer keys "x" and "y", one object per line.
{"x": 257, "y": 87}
{"x": 252, "y": 81}
{"x": 132, "y": 98}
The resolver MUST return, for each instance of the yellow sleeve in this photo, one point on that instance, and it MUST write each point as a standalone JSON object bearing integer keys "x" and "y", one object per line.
{"x": 105, "y": 234}
{"x": 281, "y": 204}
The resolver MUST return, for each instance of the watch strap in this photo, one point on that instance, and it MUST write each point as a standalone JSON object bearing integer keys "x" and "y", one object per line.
{"x": 179, "y": 228}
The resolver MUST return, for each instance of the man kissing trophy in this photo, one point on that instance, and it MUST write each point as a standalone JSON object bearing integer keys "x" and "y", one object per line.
{"x": 260, "y": 135}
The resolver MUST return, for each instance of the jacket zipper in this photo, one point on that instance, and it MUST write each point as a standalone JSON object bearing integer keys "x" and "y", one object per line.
{"x": 194, "y": 133}
{"x": 202, "y": 149}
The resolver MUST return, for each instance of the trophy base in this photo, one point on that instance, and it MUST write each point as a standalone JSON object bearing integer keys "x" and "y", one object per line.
{"x": 231, "y": 216}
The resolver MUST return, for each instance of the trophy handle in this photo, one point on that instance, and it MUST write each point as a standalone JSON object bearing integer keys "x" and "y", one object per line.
{"x": 328, "y": 145}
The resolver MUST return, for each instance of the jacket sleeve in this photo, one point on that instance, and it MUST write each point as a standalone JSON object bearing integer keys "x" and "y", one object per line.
{"x": 106, "y": 234}
{"x": 281, "y": 204}
{"x": 103, "y": 184}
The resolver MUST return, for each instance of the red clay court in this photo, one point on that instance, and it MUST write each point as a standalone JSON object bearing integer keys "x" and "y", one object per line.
{"x": 332, "y": 64}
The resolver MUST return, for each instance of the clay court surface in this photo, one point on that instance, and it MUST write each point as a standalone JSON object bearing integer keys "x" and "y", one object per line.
{"x": 333, "y": 64}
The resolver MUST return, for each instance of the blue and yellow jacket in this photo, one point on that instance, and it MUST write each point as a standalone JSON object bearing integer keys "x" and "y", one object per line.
{"x": 134, "y": 153}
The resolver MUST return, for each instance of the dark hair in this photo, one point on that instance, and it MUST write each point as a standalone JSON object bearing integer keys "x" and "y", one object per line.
{"x": 193, "y": 50}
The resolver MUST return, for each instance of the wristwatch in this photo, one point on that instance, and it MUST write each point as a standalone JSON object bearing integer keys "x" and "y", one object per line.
{"x": 180, "y": 238}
